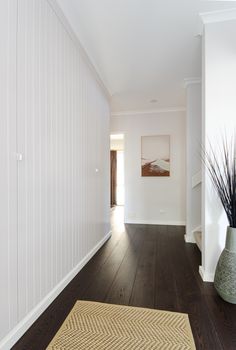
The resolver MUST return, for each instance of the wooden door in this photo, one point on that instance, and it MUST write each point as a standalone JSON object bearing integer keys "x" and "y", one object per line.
{"x": 113, "y": 177}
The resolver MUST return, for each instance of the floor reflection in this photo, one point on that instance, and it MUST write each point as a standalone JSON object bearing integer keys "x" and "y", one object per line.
{"x": 117, "y": 219}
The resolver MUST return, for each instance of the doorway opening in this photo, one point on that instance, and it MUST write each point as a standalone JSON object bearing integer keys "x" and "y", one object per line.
{"x": 117, "y": 170}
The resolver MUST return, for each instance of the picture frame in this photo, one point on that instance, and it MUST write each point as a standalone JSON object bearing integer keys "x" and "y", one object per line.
{"x": 155, "y": 156}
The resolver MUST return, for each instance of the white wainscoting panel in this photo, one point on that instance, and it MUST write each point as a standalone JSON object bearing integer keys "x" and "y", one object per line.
{"x": 8, "y": 179}
{"x": 63, "y": 126}
{"x": 61, "y": 209}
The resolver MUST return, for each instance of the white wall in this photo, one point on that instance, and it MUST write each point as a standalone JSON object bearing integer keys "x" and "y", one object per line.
{"x": 193, "y": 156}
{"x": 59, "y": 215}
{"x": 219, "y": 77}
{"x": 154, "y": 200}
{"x": 8, "y": 179}
{"x": 117, "y": 145}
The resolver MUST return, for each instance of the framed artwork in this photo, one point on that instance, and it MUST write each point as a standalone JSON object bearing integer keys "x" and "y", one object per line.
{"x": 155, "y": 155}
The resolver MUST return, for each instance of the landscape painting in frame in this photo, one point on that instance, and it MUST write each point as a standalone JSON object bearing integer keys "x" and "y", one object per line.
{"x": 155, "y": 155}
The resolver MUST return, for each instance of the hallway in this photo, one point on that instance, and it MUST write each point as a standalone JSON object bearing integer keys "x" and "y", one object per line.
{"x": 147, "y": 266}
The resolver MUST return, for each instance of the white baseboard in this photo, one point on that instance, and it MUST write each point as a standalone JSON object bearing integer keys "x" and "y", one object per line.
{"x": 206, "y": 276}
{"x": 189, "y": 238}
{"x": 198, "y": 228}
{"x": 17, "y": 332}
{"x": 154, "y": 222}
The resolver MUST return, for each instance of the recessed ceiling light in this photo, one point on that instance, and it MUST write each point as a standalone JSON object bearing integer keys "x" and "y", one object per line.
{"x": 153, "y": 100}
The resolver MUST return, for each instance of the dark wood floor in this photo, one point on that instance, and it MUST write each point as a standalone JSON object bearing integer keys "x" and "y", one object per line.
{"x": 148, "y": 266}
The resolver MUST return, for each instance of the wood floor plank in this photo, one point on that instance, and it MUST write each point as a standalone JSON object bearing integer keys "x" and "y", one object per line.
{"x": 148, "y": 266}
{"x": 121, "y": 288}
{"x": 143, "y": 293}
{"x": 165, "y": 294}
{"x": 103, "y": 279}
{"x": 224, "y": 317}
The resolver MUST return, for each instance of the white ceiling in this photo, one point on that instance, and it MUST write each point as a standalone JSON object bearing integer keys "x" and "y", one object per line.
{"x": 142, "y": 49}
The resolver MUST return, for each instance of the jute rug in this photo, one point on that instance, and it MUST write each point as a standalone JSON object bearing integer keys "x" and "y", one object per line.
{"x": 98, "y": 326}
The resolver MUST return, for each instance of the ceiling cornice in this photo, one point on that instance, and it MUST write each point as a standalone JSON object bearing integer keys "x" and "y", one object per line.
{"x": 62, "y": 18}
{"x": 152, "y": 111}
{"x": 191, "y": 81}
{"x": 218, "y": 16}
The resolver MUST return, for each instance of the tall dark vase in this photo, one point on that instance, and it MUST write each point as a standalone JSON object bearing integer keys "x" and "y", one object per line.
{"x": 225, "y": 275}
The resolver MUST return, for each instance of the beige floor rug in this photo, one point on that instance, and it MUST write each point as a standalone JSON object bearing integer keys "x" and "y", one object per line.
{"x": 98, "y": 326}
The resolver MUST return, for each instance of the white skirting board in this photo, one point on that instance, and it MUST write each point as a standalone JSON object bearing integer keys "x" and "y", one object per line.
{"x": 206, "y": 276}
{"x": 154, "y": 222}
{"x": 25, "y": 324}
{"x": 189, "y": 239}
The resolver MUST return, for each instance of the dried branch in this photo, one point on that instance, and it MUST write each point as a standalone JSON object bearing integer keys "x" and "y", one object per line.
{"x": 221, "y": 167}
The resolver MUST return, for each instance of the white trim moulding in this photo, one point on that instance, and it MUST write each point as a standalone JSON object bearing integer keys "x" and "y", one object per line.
{"x": 189, "y": 238}
{"x": 218, "y": 16}
{"x": 206, "y": 276}
{"x": 190, "y": 81}
{"x": 151, "y": 111}
{"x": 62, "y": 18}
{"x": 154, "y": 222}
{"x": 197, "y": 179}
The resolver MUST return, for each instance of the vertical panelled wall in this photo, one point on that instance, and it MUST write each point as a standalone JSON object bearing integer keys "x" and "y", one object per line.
{"x": 8, "y": 179}
{"x": 63, "y": 140}
{"x": 63, "y": 127}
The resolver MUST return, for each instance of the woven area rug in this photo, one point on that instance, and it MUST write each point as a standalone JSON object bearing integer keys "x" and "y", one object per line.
{"x": 99, "y": 326}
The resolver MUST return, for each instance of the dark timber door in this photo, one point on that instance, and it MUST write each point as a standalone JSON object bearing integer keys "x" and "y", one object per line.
{"x": 113, "y": 177}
